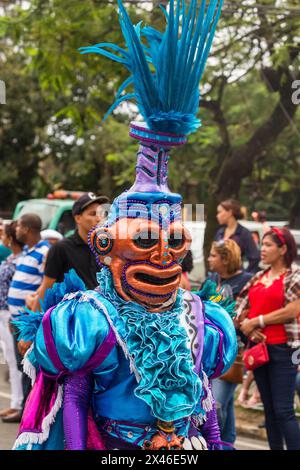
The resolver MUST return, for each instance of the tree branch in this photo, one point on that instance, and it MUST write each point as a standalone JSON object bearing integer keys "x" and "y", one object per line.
{"x": 218, "y": 115}
{"x": 241, "y": 161}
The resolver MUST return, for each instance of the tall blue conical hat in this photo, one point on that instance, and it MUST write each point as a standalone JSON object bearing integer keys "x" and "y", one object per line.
{"x": 165, "y": 71}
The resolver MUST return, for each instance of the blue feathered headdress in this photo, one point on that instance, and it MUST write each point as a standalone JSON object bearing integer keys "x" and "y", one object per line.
{"x": 167, "y": 90}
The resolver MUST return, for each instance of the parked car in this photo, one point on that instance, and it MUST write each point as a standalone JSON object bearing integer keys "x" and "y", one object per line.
{"x": 55, "y": 211}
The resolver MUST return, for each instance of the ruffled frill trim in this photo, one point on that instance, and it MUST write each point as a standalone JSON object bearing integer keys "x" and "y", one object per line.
{"x": 156, "y": 344}
{"x": 28, "y": 367}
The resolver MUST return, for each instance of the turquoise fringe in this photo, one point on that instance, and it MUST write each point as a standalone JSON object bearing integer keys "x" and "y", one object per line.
{"x": 28, "y": 323}
{"x": 209, "y": 292}
{"x": 158, "y": 344}
{"x": 71, "y": 283}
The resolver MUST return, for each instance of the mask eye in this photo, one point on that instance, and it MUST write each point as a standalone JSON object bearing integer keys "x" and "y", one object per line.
{"x": 145, "y": 239}
{"x": 176, "y": 239}
{"x": 101, "y": 241}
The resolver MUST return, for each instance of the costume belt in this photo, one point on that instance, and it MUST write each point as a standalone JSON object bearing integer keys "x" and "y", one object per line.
{"x": 137, "y": 434}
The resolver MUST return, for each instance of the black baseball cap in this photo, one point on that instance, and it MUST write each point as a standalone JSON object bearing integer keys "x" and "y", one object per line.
{"x": 86, "y": 200}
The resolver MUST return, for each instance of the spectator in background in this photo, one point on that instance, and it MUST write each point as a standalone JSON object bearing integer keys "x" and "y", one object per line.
{"x": 52, "y": 236}
{"x": 74, "y": 252}
{"x": 225, "y": 265}
{"x": 7, "y": 270}
{"x": 187, "y": 267}
{"x": 269, "y": 306}
{"x": 228, "y": 215}
{"x": 243, "y": 397}
{"x": 27, "y": 278}
{"x": 261, "y": 217}
{"x": 4, "y": 250}
{"x": 256, "y": 238}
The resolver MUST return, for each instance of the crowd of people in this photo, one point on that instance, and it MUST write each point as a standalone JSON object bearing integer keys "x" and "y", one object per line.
{"x": 267, "y": 313}
{"x": 267, "y": 306}
{"x": 36, "y": 259}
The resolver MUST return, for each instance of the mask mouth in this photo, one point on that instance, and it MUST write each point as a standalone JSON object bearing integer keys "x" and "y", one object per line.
{"x": 154, "y": 280}
{"x": 152, "y": 303}
{"x": 151, "y": 281}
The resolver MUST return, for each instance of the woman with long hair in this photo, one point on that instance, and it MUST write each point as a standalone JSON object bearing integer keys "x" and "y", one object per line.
{"x": 269, "y": 306}
{"x": 225, "y": 266}
{"x": 7, "y": 269}
{"x": 229, "y": 213}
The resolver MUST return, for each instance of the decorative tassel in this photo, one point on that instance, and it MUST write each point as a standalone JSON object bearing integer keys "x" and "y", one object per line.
{"x": 31, "y": 438}
{"x": 207, "y": 403}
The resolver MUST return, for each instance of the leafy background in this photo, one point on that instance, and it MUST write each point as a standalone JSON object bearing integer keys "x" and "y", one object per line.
{"x": 51, "y": 129}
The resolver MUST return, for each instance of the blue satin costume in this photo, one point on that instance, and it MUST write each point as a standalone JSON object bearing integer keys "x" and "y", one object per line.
{"x": 159, "y": 367}
{"x": 79, "y": 327}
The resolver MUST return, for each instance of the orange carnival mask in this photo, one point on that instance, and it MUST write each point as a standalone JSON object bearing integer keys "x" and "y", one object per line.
{"x": 144, "y": 240}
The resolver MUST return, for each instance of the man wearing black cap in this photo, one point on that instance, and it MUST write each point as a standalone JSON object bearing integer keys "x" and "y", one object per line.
{"x": 74, "y": 252}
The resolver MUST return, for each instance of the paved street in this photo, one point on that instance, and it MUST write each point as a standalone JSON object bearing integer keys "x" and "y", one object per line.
{"x": 8, "y": 431}
{"x": 245, "y": 443}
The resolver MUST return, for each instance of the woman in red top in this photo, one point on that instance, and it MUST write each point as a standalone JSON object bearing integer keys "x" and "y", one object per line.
{"x": 270, "y": 302}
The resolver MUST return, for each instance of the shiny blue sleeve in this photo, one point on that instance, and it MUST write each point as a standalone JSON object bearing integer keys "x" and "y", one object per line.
{"x": 78, "y": 329}
{"x": 220, "y": 341}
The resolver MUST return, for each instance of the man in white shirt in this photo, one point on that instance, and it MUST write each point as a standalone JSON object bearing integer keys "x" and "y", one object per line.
{"x": 26, "y": 280}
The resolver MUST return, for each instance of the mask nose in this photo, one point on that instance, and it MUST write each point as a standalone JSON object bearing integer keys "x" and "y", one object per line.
{"x": 161, "y": 254}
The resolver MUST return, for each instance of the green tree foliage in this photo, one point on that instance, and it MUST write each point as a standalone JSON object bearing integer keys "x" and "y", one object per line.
{"x": 257, "y": 60}
{"x": 63, "y": 141}
{"x": 247, "y": 147}
{"x": 23, "y": 121}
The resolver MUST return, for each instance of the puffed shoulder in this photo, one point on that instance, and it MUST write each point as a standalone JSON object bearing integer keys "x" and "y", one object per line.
{"x": 220, "y": 341}
{"x": 79, "y": 327}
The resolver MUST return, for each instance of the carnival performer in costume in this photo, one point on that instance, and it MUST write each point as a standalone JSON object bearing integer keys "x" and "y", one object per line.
{"x": 128, "y": 365}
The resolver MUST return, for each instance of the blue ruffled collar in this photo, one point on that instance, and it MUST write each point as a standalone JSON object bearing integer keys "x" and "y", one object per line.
{"x": 156, "y": 344}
